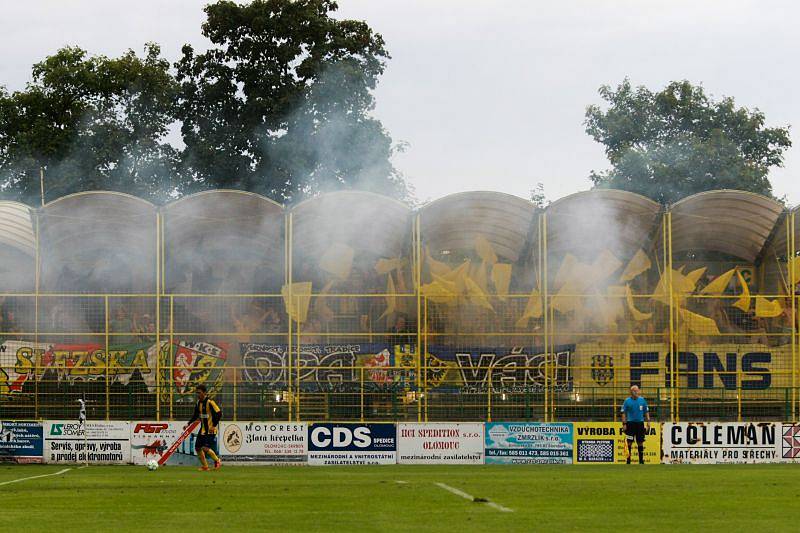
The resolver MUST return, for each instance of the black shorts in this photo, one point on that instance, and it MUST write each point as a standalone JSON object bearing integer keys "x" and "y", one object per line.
{"x": 635, "y": 430}
{"x": 205, "y": 441}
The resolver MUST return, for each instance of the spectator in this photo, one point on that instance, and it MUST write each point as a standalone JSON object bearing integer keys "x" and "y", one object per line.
{"x": 8, "y": 324}
{"x": 122, "y": 327}
{"x": 146, "y": 328}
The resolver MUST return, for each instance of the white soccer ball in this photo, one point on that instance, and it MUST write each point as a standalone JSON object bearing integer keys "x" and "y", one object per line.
{"x": 152, "y": 465}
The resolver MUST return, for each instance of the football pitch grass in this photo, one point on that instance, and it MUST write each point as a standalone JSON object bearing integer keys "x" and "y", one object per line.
{"x": 402, "y": 498}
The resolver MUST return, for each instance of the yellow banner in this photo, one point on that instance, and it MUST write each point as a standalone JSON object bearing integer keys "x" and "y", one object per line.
{"x": 604, "y": 443}
{"x": 702, "y": 369}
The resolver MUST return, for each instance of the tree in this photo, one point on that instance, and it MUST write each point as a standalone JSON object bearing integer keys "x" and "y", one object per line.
{"x": 673, "y": 143}
{"x": 90, "y": 123}
{"x": 280, "y": 104}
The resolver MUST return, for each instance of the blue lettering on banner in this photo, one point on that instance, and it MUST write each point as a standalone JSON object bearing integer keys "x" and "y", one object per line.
{"x": 21, "y": 442}
{"x": 528, "y": 442}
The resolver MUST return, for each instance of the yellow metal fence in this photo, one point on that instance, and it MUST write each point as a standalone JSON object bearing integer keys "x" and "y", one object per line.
{"x": 141, "y": 356}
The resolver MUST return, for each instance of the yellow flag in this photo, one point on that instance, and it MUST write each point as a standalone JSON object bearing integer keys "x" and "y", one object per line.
{"x": 391, "y": 299}
{"x": 297, "y": 300}
{"x": 476, "y": 295}
{"x": 436, "y": 267}
{"x": 565, "y": 270}
{"x": 446, "y": 284}
{"x": 337, "y": 261}
{"x": 533, "y": 309}
{"x": 501, "y": 277}
{"x": 767, "y": 309}
{"x": 640, "y": 263}
{"x": 743, "y": 302}
{"x": 719, "y": 284}
{"x": 458, "y": 276}
{"x": 635, "y": 313}
{"x": 439, "y": 291}
{"x": 384, "y": 266}
{"x": 680, "y": 287}
{"x": 694, "y": 276}
{"x": 609, "y": 307}
{"x": 478, "y": 275}
{"x": 568, "y": 298}
{"x": 795, "y": 265}
{"x": 604, "y": 265}
{"x": 698, "y": 324}
{"x": 484, "y": 250}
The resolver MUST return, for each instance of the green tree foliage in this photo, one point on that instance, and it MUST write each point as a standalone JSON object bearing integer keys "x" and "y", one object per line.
{"x": 676, "y": 142}
{"x": 280, "y": 103}
{"x": 91, "y": 123}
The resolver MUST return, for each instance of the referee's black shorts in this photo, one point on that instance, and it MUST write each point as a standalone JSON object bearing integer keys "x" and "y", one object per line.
{"x": 635, "y": 430}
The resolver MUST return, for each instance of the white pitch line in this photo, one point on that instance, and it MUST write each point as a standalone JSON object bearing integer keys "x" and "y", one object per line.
{"x": 36, "y": 477}
{"x": 469, "y": 497}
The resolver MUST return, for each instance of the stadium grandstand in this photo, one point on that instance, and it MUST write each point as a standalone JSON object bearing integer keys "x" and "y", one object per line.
{"x": 352, "y": 306}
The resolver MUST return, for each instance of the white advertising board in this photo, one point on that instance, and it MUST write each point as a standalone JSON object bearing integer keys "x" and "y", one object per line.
{"x": 440, "y": 443}
{"x": 104, "y": 442}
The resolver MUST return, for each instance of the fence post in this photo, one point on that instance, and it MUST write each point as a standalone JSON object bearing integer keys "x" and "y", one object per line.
{"x": 158, "y": 316}
{"x": 489, "y": 395}
{"x": 424, "y": 355}
{"x": 235, "y": 372}
{"x": 108, "y": 396}
{"x": 738, "y": 394}
{"x": 614, "y": 397}
{"x": 361, "y": 390}
{"x": 171, "y": 354}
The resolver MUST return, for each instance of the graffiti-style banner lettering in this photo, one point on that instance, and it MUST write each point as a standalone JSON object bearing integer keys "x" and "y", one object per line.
{"x": 184, "y": 365}
{"x": 24, "y": 361}
{"x": 325, "y": 367}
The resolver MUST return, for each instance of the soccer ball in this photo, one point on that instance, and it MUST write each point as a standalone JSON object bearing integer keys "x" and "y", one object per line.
{"x": 152, "y": 465}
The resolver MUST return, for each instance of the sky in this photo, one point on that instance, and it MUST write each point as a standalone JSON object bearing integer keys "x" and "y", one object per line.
{"x": 489, "y": 94}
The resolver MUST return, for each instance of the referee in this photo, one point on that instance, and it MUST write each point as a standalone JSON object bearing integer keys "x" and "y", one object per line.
{"x": 634, "y": 411}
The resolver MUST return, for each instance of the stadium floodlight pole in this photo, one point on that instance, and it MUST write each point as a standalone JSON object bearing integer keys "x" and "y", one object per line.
{"x": 41, "y": 183}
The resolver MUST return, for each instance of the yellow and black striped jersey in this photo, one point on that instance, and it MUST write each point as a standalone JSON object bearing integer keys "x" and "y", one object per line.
{"x": 209, "y": 414}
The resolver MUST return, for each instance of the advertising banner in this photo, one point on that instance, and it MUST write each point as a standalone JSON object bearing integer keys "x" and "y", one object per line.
{"x": 352, "y": 444}
{"x": 604, "y": 443}
{"x": 21, "y": 442}
{"x": 263, "y": 443}
{"x": 528, "y": 443}
{"x": 440, "y": 443}
{"x": 149, "y": 441}
{"x": 722, "y": 442}
{"x": 104, "y": 442}
{"x": 790, "y": 443}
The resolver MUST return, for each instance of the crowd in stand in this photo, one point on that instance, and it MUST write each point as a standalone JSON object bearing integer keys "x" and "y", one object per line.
{"x": 357, "y": 309}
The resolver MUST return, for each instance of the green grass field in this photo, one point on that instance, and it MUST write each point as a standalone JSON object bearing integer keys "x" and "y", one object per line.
{"x": 402, "y": 498}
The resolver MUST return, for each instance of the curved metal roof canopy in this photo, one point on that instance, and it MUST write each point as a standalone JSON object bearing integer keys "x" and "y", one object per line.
{"x": 588, "y": 222}
{"x": 98, "y": 241}
{"x": 230, "y": 241}
{"x": 455, "y": 221}
{"x": 17, "y": 248}
{"x": 736, "y": 223}
{"x": 365, "y": 221}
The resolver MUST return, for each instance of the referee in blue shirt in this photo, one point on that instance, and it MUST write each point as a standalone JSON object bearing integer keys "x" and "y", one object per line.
{"x": 634, "y": 411}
